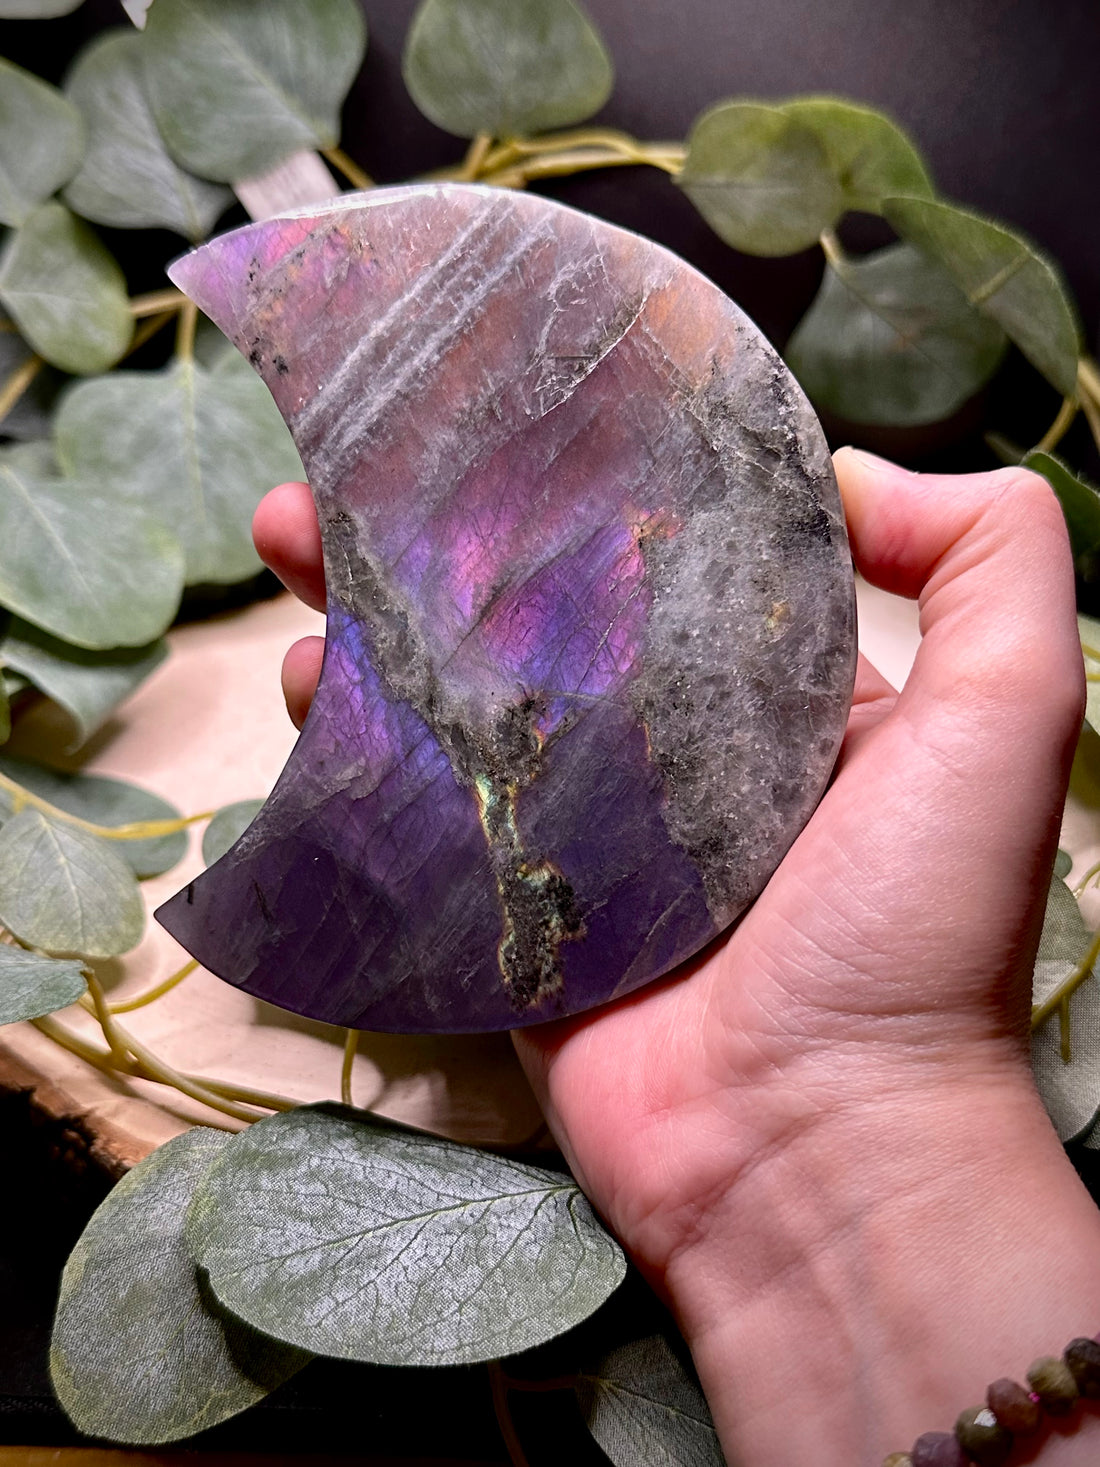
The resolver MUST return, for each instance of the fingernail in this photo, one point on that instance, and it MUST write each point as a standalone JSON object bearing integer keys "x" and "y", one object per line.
{"x": 875, "y": 464}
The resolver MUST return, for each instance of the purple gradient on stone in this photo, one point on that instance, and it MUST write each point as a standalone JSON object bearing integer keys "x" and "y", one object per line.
{"x": 590, "y": 625}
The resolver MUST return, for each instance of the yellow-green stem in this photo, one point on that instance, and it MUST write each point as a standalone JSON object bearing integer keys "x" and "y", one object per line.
{"x": 1068, "y": 987}
{"x": 141, "y": 1000}
{"x": 833, "y": 250}
{"x": 470, "y": 167}
{"x": 17, "y": 383}
{"x": 156, "y": 301}
{"x": 348, "y": 167}
{"x": 351, "y": 1049}
{"x": 136, "y": 830}
{"x": 1060, "y": 427}
{"x": 185, "y": 330}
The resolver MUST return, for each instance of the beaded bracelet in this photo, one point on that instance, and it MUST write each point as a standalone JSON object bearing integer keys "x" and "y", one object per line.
{"x": 985, "y": 1435}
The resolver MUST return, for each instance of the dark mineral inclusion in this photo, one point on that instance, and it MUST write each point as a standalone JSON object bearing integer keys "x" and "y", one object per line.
{"x": 590, "y": 613}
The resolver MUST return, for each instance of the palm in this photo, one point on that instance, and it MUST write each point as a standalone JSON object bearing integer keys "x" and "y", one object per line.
{"x": 896, "y": 933}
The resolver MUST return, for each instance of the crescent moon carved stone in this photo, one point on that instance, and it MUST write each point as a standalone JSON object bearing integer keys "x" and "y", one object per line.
{"x": 590, "y": 641}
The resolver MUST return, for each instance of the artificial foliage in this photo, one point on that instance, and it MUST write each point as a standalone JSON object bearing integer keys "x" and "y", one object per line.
{"x": 120, "y": 488}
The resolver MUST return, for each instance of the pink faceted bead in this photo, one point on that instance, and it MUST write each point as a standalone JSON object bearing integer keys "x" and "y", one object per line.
{"x": 938, "y": 1449}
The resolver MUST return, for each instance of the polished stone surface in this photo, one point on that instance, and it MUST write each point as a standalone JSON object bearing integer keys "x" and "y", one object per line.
{"x": 590, "y": 624}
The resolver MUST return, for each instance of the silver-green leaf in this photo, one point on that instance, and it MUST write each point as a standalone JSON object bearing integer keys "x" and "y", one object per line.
{"x": 36, "y": 9}
{"x": 1080, "y": 503}
{"x": 1003, "y": 275}
{"x": 29, "y": 416}
{"x": 369, "y": 1243}
{"x": 508, "y": 68}
{"x": 41, "y": 140}
{"x": 140, "y": 1353}
{"x": 760, "y": 178}
{"x": 102, "y": 801}
{"x": 645, "y": 1409}
{"x": 88, "y": 685}
{"x": 66, "y": 891}
{"x": 236, "y": 85}
{"x": 81, "y": 562}
{"x": 31, "y": 986}
{"x": 65, "y": 292}
{"x": 1070, "y": 1091}
{"x": 869, "y": 154}
{"x": 226, "y": 828}
{"x": 197, "y": 450}
{"x": 890, "y": 338}
{"x": 128, "y": 178}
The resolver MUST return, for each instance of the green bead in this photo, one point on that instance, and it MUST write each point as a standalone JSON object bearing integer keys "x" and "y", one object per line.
{"x": 982, "y": 1437}
{"x": 1053, "y": 1382}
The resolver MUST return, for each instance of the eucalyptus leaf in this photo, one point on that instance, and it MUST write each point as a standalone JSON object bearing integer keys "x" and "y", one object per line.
{"x": 890, "y": 338}
{"x": 1003, "y": 275}
{"x": 140, "y": 1353}
{"x": 869, "y": 154}
{"x": 1089, "y": 631}
{"x": 66, "y": 891}
{"x": 128, "y": 178}
{"x": 31, "y": 986}
{"x": 29, "y": 417}
{"x": 65, "y": 292}
{"x": 37, "y": 9}
{"x": 78, "y": 561}
{"x": 237, "y": 85}
{"x": 760, "y": 178}
{"x": 198, "y": 450}
{"x": 1070, "y": 1092}
{"x": 88, "y": 685}
{"x": 405, "y": 1249}
{"x": 41, "y": 140}
{"x": 102, "y": 801}
{"x": 5, "y": 710}
{"x": 227, "y": 827}
{"x": 643, "y": 1404}
{"x": 1063, "y": 864}
{"x": 1080, "y": 503}
{"x": 508, "y": 68}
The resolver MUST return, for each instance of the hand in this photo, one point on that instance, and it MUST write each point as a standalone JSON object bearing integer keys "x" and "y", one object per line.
{"x": 820, "y": 1140}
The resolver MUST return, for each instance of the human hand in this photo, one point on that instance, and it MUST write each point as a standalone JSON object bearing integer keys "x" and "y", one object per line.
{"x": 820, "y": 1140}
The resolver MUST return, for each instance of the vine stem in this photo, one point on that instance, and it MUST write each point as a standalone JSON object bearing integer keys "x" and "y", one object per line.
{"x": 470, "y": 167}
{"x": 141, "y": 1000}
{"x": 351, "y": 1049}
{"x": 498, "y": 1385}
{"x": 185, "y": 331}
{"x": 1067, "y": 413}
{"x": 156, "y": 301}
{"x": 1067, "y": 988}
{"x": 348, "y": 167}
{"x": 833, "y": 249}
{"x": 135, "y": 830}
{"x": 17, "y": 383}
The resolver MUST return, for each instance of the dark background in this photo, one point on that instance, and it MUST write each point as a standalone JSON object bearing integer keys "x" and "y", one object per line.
{"x": 1002, "y": 96}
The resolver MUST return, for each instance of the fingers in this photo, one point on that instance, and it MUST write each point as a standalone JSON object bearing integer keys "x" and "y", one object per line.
{"x": 872, "y": 700}
{"x": 287, "y": 538}
{"x": 987, "y": 556}
{"x": 301, "y": 671}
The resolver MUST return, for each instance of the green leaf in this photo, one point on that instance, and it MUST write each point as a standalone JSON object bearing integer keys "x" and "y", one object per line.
{"x": 868, "y": 153}
{"x": 36, "y": 9}
{"x": 31, "y": 986}
{"x": 41, "y": 140}
{"x": 407, "y": 1250}
{"x": 1063, "y": 864}
{"x": 102, "y": 801}
{"x": 79, "y": 560}
{"x": 199, "y": 450}
{"x": 1070, "y": 1092}
{"x": 505, "y": 67}
{"x": 237, "y": 85}
{"x": 128, "y": 178}
{"x": 30, "y": 417}
{"x": 1080, "y": 503}
{"x": 140, "y": 1353}
{"x": 88, "y": 685}
{"x": 891, "y": 339}
{"x": 643, "y": 1405}
{"x": 5, "y": 711}
{"x": 1003, "y": 275}
{"x": 760, "y": 178}
{"x": 227, "y": 827}
{"x": 66, "y": 891}
{"x": 1089, "y": 631}
{"x": 65, "y": 292}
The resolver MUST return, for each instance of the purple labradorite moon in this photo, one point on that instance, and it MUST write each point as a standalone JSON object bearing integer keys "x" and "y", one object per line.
{"x": 590, "y": 613}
